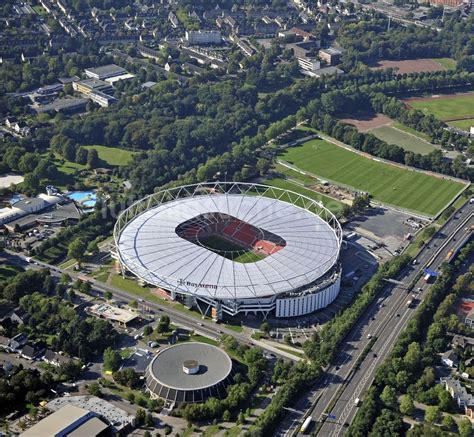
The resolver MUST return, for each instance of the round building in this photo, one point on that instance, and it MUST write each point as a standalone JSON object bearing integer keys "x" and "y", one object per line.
{"x": 233, "y": 247}
{"x": 189, "y": 372}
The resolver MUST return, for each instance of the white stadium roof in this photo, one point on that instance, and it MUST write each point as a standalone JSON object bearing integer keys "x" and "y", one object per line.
{"x": 149, "y": 247}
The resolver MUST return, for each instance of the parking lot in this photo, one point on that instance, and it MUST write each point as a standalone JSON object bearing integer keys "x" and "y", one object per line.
{"x": 387, "y": 227}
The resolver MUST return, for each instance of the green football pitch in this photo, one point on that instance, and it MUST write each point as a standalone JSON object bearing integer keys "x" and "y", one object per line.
{"x": 446, "y": 108}
{"x": 397, "y": 186}
{"x": 230, "y": 250}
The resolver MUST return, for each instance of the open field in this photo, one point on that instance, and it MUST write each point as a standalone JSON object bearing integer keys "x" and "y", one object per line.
{"x": 445, "y": 107}
{"x": 112, "y": 155}
{"x": 391, "y": 132}
{"x": 409, "y": 130}
{"x": 417, "y": 65}
{"x": 387, "y": 183}
{"x": 333, "y": 205}
{"x": 463, "y": 124}
{"x": 410, "y": 142}
{"x": 367, "y": 120}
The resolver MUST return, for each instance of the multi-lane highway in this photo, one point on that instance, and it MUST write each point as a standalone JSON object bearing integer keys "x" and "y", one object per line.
{"x": 336, "y": 391}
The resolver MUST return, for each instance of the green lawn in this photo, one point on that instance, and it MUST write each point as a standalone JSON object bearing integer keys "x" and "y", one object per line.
{"x": 405, "y": 140}
{"x": 448, "y": 63}
{"x": 40, "y": 10}
{"x": 248, "y": 257}
{"x": 409, "y": 130}
{"x": 387, "y": 183}
{"x": 333, "y": 205}
{"x": 112, "y": 155}
{"x": 463, "y": 124}
{"x": 7, "y": 271}
{"x": 447, "y": 108}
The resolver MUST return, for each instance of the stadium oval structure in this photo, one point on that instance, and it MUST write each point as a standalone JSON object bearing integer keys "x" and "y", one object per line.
{"x": 168, "y": 376}
{"x": 235, "y": 247}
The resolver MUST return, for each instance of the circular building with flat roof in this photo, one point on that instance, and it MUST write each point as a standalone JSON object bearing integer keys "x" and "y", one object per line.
{"x": 189, "y": 372}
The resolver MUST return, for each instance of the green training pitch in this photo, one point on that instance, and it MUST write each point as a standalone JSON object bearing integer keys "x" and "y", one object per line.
{"x": 407, "y": 141}
{"x": 230, "y": 250}
{"x": 113, "y": 155}
{"x": 463, "y": 124}
{"x": 446, "y": 108}
{"x": 448, "y": 63}
{"x": 387, "y": 183}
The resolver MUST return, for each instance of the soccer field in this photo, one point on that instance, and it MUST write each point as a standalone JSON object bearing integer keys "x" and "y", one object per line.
{"x": 446, "y": 108}
{"x": 463, "y": 124}
{"x": 407, "y": 141}
{"x": 387, "y": 183}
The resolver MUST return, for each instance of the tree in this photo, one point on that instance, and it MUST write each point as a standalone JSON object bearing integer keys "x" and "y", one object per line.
{"x": 448, "y": 421}
{"x": 465, "y": 428}
{"x": 433, "y": 414}
{"x": 92, "y": 158}
{"x": 226, "y": 417}
{"x": 77, "y": 250}
{"x": 81, "y": 155}
{"x": 108, "y": 295}
{"x": 389, "y": 396}
{"x": 163, "y": 324}
{"x": 149, "y": 422}
{"x": 265, "y": 327}
{"x": 140, "y": 416}
{"x": 111, "y": 359}
{"x": 147, "y": 433}
{"x": 130, "y": 397}
{"x": 241, "y": 418}
{"x": 94, "y": 389}
{"x": 147, "y": 330}
{"x": 388, "y": 423}
{"x": 406, "y": 405}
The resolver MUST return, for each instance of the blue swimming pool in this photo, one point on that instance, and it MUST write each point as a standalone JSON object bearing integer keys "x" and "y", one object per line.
{"x": 85, "y": 198}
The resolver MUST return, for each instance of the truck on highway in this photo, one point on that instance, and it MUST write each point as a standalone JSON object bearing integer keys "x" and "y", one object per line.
{"x": 427, "y": 277}
{"x": 356, "y": 402}
{"x": 306, "y": 424}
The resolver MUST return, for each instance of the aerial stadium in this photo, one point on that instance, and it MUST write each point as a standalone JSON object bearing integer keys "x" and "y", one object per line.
{"x": 189, "y": 372}
{"x": 233, "y": 248}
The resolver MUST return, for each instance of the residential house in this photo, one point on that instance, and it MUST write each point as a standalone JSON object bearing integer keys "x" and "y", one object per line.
{"x": 56, "y": 359}
{"x": 450, "y": 359}
{"x": 459, "y": 394}
{"x": 32, "y": 351}
{"x": 17, "y": 342}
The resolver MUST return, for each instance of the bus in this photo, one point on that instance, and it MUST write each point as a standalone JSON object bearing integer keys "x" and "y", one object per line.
{"x": 306, "y": 424}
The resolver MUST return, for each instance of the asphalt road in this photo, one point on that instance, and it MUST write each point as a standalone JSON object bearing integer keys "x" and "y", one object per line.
{"x": 204, "y": 327}
{"x": 384, "y": 320}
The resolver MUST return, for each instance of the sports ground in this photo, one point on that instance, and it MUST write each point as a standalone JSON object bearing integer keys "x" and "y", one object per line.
{"x": 417, "y": 65}
{"x": 391, "y": 131}
{"x": 390, "y": 184}
{"x": 445, "y": 107}
{"x": 407, "y": 141}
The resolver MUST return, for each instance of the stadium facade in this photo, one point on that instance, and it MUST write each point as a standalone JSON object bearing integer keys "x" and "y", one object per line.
{"x": 233, "y": 248}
